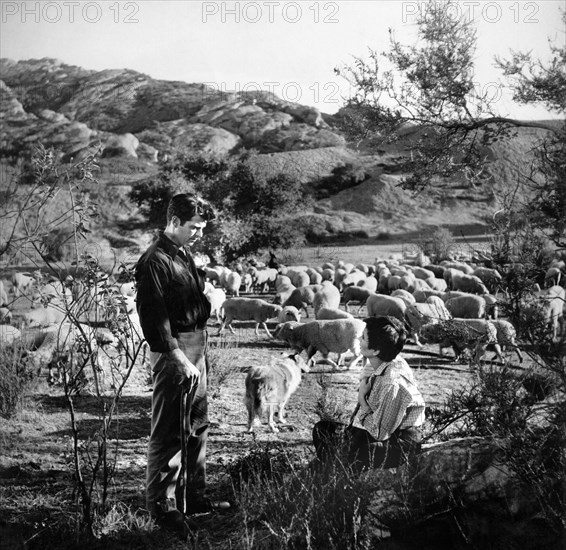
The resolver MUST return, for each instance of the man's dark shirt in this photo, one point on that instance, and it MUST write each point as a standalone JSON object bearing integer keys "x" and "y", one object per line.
{"x": 170, "y": 296}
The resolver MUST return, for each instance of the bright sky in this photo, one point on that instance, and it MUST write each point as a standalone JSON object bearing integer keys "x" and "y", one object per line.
{"x": 290, "y": 48}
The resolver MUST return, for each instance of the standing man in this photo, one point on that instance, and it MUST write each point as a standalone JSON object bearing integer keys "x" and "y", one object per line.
{"x": 173, "y": 313}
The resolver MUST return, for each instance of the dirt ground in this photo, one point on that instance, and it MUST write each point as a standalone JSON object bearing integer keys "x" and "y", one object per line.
{"x": 36, "y": 458}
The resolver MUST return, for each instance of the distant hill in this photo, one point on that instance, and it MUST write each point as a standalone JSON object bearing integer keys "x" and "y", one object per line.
{"x": 137, "y": 120}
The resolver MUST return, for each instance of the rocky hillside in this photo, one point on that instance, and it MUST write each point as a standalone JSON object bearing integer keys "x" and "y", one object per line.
{"x": 136, "y": 121}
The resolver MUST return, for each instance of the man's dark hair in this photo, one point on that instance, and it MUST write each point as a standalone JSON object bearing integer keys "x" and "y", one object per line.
{"x": 386, "y": 335}
{"x": 186, "y": 206}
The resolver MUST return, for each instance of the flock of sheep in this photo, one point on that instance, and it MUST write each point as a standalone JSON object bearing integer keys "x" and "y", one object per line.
{"x": 452, "y": 304}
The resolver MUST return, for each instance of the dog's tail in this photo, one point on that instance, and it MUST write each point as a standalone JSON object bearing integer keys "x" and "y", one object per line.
{"x": 257, "y": 389}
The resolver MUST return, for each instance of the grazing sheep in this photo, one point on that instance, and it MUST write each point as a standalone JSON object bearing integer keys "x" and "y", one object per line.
{"x": 491, "y": 278}
{"x": 552, "y": 300}
{"x": 491, "y": 307}
{"x": 283, "y": 289}
{"x": 327, "y": 296}
{"x": 301, "y": 279}
{"x": 328, "y": 275}
{"x": 370, "y": 282}
{"x": 419, "y": 314}
{"x": 468, "y": 283}
{"x": 405, "y": 295}
{"x": 506, "y": 336}
{"x": 436, "y": 284}
{"x": 249, "y": 309}
{"x": 460, "y": 266}
{"x": 43, "y": 317}
{"x": 302, "y": 297}
{"x": 327, "y": 314}
{"x": 289, "y": 313}
{"x": 423, "y": 273}
{"x": 438, "y": 270}
{"x": 216, "y": 297}
{"x": 21, "y": 283}
{"x": 337, "y": 336}
{"x": 271, "y": 386}
{"x": 467, "y": 307}
{"x": 474, "y": 334}
{"x": 60, "y": 341}
{"x": 393, "y": 282}
{"x": 314, "y": 276}
{"x": 422, "y": 295}
{"x": 339, "y": 275}
{"x": 379, "y": 305}
{"x": 354, "y": 278}
{"x": 356, "y": 294}
{"x": 3, "y": 295}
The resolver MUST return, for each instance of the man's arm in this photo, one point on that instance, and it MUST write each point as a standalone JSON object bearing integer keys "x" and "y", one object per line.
{"x": 150, "y": 301}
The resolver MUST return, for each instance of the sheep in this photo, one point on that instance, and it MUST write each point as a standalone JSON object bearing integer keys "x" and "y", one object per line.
{"x": 468, "y": 283}
{"x": 328, "y": 275}
{"x": 436, "y": 284}
{"x": 327, "y": 296}
{"x": 246, "y": 309}
{"x": 461, "y": 334}
{"x": 59, "y": 341}
{"x": 506, "y": 335}
{"x": 299, "y": 278}
{"x": 263, "y": 278}
{"x": 289, "y": 313}
{"x": 491, "y": 278}
{"x": 339, "y": 275}
{"x": 370, "y": 282}
{"x": 8, "y": 335}
{"x": 354, "y": 278}
{"x": 327, "y": 314}
{"x": 283, "y": 289}
{"x": 405, "y": 295}
{"x": 423, "y": 294}
{"x": 379, "y": 305}
{"x": 232, "y": 282}
{"x": 419, "y": 314}
{"x": 314, "y": 276}
{"x": 356, "y": 294}
{"x": 216, "y": 297}
{"x": 3, "y": 295}
{"x": 337, "y": 336}
{"x": 460, "y": 266}
{"x": 423, "y": 273}
{"x": 393, "y": 282}
{"x": 247, "y": 282}
{"x": 302, "y": 297}
{"x": 21, "y": 283}
{"x": 43, "y": 317}
{"x": 491, "y": 308}
{"x": 438, "y": 270}
{"x": 552, "y": 301}
{"x": 467, "y": 307}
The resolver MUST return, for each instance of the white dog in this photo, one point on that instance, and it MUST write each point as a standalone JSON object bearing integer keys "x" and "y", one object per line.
{"x": 272, "y": 386}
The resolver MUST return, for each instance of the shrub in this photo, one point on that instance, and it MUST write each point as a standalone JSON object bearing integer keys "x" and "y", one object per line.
{"x": 15, "y": 378}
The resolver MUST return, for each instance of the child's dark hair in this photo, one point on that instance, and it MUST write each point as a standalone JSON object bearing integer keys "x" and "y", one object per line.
{"x": 386, "y": 335}
{"x": 186, "y": 206}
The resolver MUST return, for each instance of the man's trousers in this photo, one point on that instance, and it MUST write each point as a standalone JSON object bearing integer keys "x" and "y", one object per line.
{"x": 163, "y": 491}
